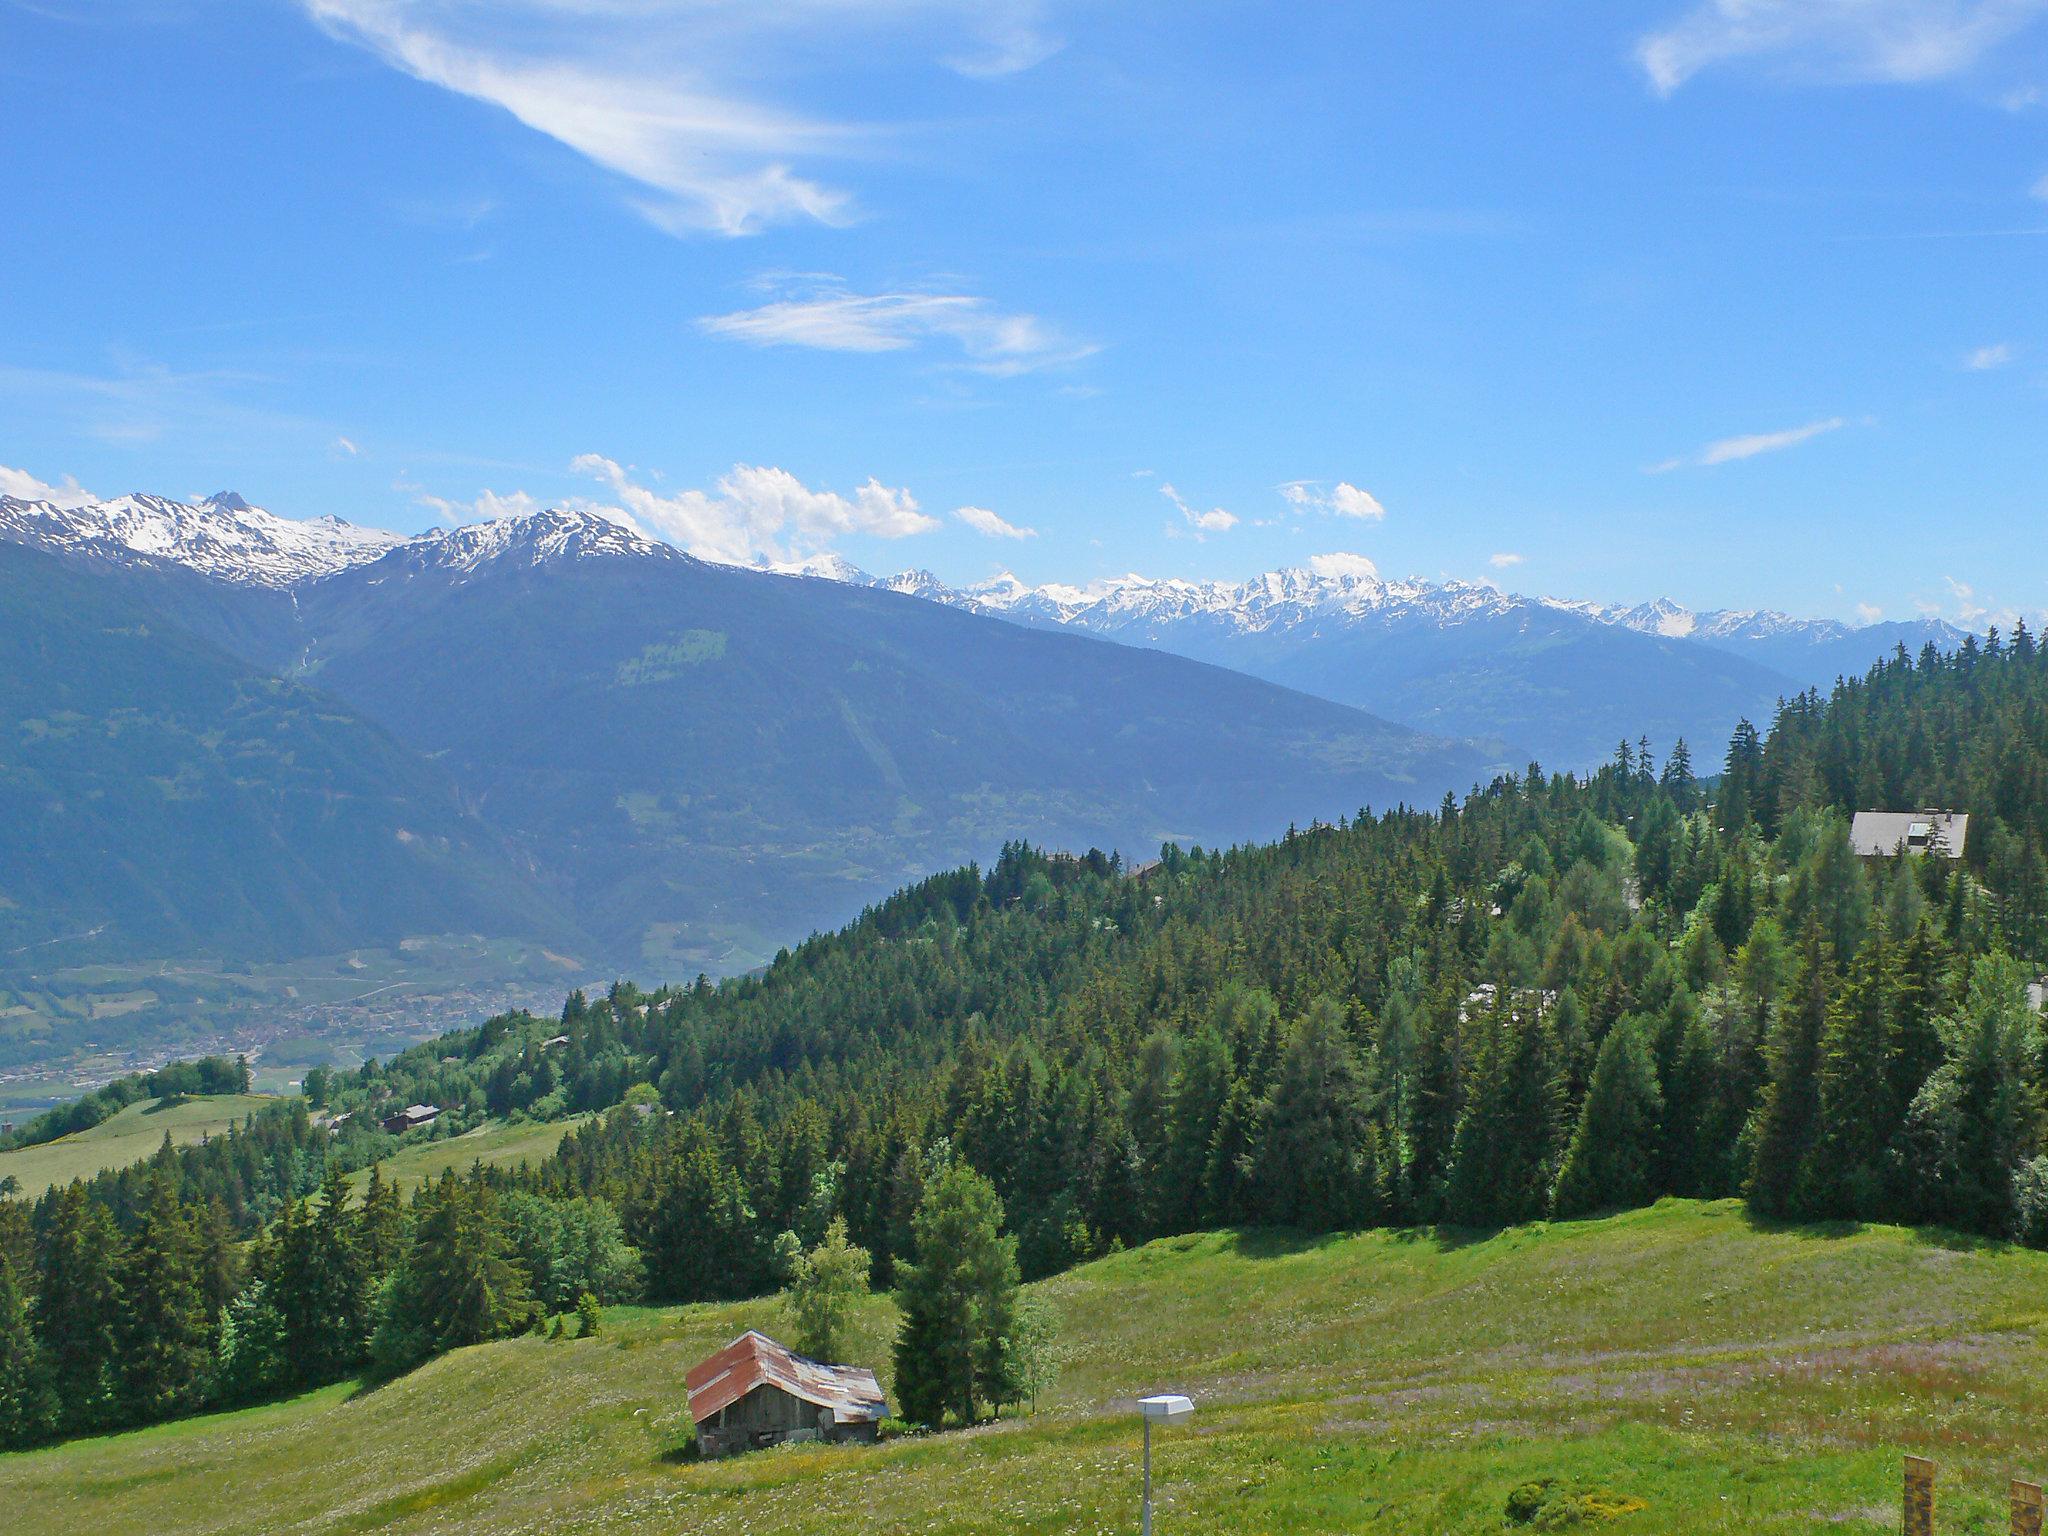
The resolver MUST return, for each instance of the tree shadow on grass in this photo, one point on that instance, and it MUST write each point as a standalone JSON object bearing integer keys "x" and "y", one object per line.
{"x": 1287, "y": 1242}
{"x": 1948, "y": 1239}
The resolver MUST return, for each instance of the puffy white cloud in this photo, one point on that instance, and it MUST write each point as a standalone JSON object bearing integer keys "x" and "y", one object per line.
{"x": 821, "y": 313}
{"x": 1868, "y": 613}
{"x": 1341, "y": 566}
{"x": 988, "y": 524}
{"x": 1983, "y": 359}
{"x": 1215, "y": 520}
{"x": 21, "y": 484}
{"x": 757, "y": 513}
{"x": 1729, "y": 450}
{"x": 1885, "y": 40}
{"x": 665, "y": 94}
{"x": 1505, "y": 560}
{"x": 1343, "y": 499}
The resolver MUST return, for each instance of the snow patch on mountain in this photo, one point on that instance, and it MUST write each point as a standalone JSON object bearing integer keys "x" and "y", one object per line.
{"x": 529, "y": 539}
{"x": 222, "y": 537}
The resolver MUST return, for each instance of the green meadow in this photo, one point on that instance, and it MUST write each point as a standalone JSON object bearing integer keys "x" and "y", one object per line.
{"x": 1678, "y": 1369}
{"x": 494, "y": 1144}
{"x": 126, "y": 1137}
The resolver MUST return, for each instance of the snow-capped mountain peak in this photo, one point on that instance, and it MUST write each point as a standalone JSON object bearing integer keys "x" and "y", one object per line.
{"x": 530, "y": 539}
{"x": 223, "y": 536}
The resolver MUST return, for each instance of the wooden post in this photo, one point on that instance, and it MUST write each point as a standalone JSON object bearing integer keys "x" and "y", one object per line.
{"x": 1919, "y": 1516}
{"x": 2026, "y": 1508}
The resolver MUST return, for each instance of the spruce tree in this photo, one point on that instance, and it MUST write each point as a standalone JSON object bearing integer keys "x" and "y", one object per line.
{"x": 1610, "y": 1160}
{"x": 1788, "y": 1110}
{"x": 1858, "y": 1110}
{"x": 163, "y": 1332}
{"x": 1313, "y": 1149}
{"x": 77, "y": 1303}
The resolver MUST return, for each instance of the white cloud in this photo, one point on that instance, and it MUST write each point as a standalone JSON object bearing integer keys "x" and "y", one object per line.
{"x": 344, "y": 446}
{"x": 1341, "y": 566}
{"x": 22, "y": 485}
{"x": 1868, "y": 613}
{"x": 1505, "y": 560}
{"x": 488, "y": 506}
{"x": 756, "y": 513}
{"x": 988, "y": 524}
{"x": 1730, "y": 450}
{"x": 1215, "y": 520}
{"x": 1344, "y": 499}
{"x": 821, "y": 313}
{"x": 1882, "y": 40}
{"x": 2040, "y": 189}
{"x": 1984, "y": 359}
{"x": 663, "y": 92}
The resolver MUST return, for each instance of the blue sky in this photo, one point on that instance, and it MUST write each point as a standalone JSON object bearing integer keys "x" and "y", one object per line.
{"x": 1740, "y": 301}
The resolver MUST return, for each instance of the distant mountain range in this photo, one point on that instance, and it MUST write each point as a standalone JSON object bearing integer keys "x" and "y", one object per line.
{"x": 232, "y": 732}
{"x": 1562, "y": 680}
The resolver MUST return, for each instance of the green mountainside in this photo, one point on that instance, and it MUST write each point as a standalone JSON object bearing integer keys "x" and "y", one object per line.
{"x": 160, "y": 797}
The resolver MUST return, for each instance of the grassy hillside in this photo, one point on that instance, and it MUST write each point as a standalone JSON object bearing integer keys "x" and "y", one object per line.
{"x": 1727, "y": 1376}
{"x": 126, "y": 1138}
{"x": 494, "y": 1144}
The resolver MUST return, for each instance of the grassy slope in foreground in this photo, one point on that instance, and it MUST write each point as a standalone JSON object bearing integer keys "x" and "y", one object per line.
{"x": 1732, "y": 1378}
{"x": 127, "y": 1137}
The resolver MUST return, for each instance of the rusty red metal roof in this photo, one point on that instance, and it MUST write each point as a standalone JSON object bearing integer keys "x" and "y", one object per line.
{"x": 753, "y": 1360}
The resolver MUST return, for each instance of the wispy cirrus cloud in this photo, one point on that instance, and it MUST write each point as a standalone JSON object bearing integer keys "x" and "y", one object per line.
{"x": 823, "y": 314}
{"x": 1731, "y": 450}
{"x": 1901, "y": 41}
{"x": 1505, "y": 560}
{"x": 991, "y": 525}
{"x": 1984, "y": 359}
{"x": 755, "y": 512}
{"x": 665, "y": 92}
{"x": 1343, "y": 499}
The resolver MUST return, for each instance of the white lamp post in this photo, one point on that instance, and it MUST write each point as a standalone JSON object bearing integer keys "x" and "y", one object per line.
{"x": 1163, "y": 1409}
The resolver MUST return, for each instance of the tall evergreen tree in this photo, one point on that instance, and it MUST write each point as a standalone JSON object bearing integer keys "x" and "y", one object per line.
{"x": 1609, "y": 1162}
{"x": 163, "y": 1333}
{"x": 959, "y": 1303}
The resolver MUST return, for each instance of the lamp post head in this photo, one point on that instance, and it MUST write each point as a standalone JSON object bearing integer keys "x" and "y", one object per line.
{"x": 1166, "y": 1408}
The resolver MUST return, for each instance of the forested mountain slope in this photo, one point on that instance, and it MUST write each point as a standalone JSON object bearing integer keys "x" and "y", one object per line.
{"x": 159, "y": 796}
{"x": 1555, "y": 998}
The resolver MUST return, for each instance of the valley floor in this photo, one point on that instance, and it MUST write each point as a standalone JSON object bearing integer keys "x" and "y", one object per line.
{"x": 1729, "y": 1377}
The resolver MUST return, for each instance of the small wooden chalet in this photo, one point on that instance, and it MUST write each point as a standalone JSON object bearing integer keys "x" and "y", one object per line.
{"x": 411, "y": 1118}
{"x": 756, "y": 1393}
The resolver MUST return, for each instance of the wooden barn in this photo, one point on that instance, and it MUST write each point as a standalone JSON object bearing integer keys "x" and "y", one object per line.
{"x": 756, "y": 1393}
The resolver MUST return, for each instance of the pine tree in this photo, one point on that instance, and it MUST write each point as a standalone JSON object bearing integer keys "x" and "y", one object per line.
{"x": 958, "y": 1298}
{"x": 22, "y": 1410}
{"x": 1858, "y": 1111}
{"x": 1312, "y": 1159}
{"x": 1613, "y": 1149}
{"x": 75, "y": 1311}
{"x": 1504, "y": 1156}
{"x": 163, "y": 1332}
{"x": 1788, "y": 1111}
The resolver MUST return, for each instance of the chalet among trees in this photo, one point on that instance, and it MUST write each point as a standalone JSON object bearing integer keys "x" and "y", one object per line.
{"x": 411, "y": 1118}
{"x": 755, "y": 1393}
{"x": 1884, "y": 834}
